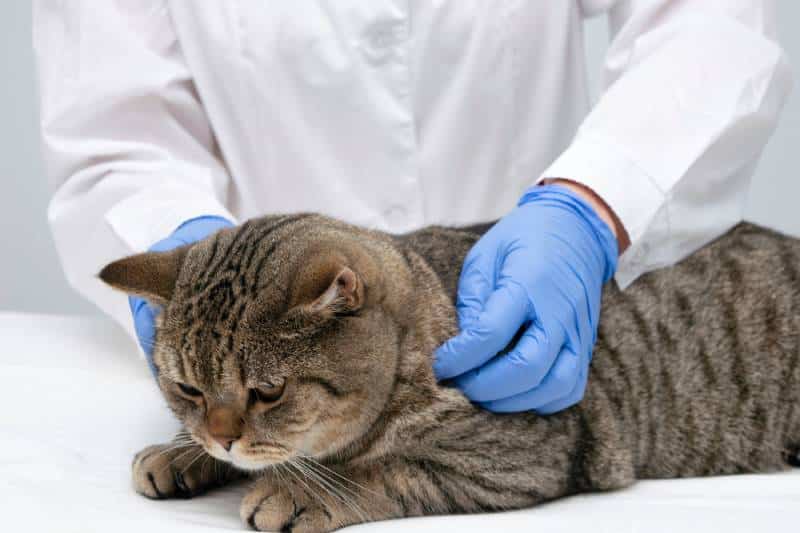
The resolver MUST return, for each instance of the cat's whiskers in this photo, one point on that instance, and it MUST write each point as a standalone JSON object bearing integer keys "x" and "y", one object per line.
{"x": 328, "y": 478}
{"x": 345, "y": 478}
{"x": 331, "y": 488}
{"x": 342, "y": 487}
{"x": 177, "y": 458}
{"x": 301, "y": 481}
{"x": 299, "y": 477}
{"x": 203, "y": 466}
{"x": 173, "y": 448}
{"x": 200, "y": 454}
{"x": 282, "y": 480}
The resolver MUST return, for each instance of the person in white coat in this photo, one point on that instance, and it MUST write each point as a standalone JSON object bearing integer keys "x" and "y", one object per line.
{"x": 163, "y": 120}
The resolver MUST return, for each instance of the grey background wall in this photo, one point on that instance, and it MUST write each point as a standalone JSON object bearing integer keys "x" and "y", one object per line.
{"x": 30, "y": 276}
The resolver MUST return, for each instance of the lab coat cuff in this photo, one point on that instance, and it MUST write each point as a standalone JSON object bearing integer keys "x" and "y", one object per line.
{"x": 630, "y": 192}
{"x": 154, "y": 213}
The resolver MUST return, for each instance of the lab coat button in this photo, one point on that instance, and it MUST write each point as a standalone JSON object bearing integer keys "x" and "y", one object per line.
{"x": 381, "y": 39}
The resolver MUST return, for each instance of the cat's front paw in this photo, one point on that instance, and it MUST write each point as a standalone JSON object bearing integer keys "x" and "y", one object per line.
{"x": 170, "y": 471}
{"x": 271, "y": 507}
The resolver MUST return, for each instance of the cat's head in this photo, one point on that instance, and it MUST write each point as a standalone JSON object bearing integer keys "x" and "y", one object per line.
{"x": 277, "y": 338}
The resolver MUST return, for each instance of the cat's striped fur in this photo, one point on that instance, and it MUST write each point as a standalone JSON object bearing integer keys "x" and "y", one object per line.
{"x": 696, "y": 372}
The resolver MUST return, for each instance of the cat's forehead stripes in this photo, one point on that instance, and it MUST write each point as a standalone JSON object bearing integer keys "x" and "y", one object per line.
{"x": 222, "y": 280}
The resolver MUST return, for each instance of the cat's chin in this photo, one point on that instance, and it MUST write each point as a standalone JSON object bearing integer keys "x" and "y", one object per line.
{"x": 249, "y": 465}
{"x": 241, "y": 461}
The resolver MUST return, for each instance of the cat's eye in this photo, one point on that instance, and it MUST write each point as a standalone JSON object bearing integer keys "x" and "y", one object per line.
{"x": 267, "y": 392}
{"x": 188, "y": 390}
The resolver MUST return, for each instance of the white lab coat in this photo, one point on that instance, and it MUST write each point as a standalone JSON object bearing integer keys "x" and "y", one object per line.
{"x": 396, "y": 114}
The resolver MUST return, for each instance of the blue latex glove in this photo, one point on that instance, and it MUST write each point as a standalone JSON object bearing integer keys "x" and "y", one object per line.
{"x": 144, "y": 314}
{"x": 541, "y": 269}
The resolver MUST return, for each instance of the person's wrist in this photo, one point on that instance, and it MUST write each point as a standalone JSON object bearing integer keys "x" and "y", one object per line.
{"x": 598, "y": 240}
{"x": 600, "y": 207}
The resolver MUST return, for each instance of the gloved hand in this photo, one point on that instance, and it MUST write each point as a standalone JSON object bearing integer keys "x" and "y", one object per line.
{"x": 144, "y": 314}
{"x": 540, "y": 268}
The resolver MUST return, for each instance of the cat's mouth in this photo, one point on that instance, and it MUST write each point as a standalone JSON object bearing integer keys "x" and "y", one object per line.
{"x": 256, "y": 464}
{"x": 249, "y": 457}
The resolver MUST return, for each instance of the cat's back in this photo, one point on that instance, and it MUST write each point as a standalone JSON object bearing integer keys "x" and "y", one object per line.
{"x": 702, "y": 358}
{"x": 444, "y": 249}
{"x": 747, "y": 270}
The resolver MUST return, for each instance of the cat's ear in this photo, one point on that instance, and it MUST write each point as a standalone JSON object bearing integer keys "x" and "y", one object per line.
{"x": 344, "y": 294}
{"x": 151, "y": 275}
{"x": 329, "y": 287}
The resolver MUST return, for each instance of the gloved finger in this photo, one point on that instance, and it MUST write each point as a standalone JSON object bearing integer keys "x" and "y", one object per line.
{"x": 557, "y": 384}
{"x": 475, "y": 284}
{"x": 165, "y": 245}
{"x": 570, "y": 399}
{"x": 144, "y": 323}
{"x": 521, "y": 369}
{"x": 505, "y": 311}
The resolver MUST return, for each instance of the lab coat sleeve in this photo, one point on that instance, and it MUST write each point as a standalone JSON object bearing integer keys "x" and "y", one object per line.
{"x": 692, "y": 92}
{"x": 128, "y": 148}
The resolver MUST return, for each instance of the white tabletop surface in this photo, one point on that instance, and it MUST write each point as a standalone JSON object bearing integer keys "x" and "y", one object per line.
{"x": 76, "y": 402}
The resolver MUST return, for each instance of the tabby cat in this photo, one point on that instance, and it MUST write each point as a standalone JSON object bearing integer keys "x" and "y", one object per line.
{"x": 297, "y": 350}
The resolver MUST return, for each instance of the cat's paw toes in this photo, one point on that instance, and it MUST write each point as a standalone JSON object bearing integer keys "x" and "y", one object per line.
{"x": 162, "y": 471}
{"x": 267, "y": 508}
{"x": 793, "y": 457}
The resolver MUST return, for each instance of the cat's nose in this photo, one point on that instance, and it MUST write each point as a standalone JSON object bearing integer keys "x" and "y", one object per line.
{"x": 224, "y": 425}
{"x": 226, "y": 442}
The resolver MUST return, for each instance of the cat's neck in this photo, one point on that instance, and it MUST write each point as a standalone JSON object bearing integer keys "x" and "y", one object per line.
{"x": 443, "y": 250}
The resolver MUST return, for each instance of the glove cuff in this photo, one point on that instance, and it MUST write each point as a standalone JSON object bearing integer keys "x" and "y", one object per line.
{"x": 606, "y": 245}
{"x": 203, "y": 225}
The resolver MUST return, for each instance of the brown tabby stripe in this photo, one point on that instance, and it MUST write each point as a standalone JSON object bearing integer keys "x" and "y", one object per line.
{"x": 269, "y": 231}
{"x": 648, "y": 282}
{"x": 667, "y": 342}
{"x": 649, "y": 406}
{"x": 716, "y": 447}
{"x": 667, "y": 390}
{"x": 434, "y": 481}
{"x": 709, "y": 374}
{"x": 690, "y": 422}
{"x": 738, "y": 368}
{"x": 397, "y": 496}
{"x": 684, "y": 309}
{"x": 603, "y": 377}
{"x": 646, "y": 397}
{"x": 789, "y": 383}
{"x": 619, "y": 365}
{"x": 641, "y": 325}
{"x": 446, "y": 489}
{"x": 742, "y": 244}
{"x": 198, "y": 284}
{"x": 760, "y": 419}
{"x": 577, "y": 480}
{"x": 183, "y": 351}
{"x": 212, "y": 268}
{"x": 789, "y": 262}
{"x": 484, "y": 483}
{"x": 733, "y": 270}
